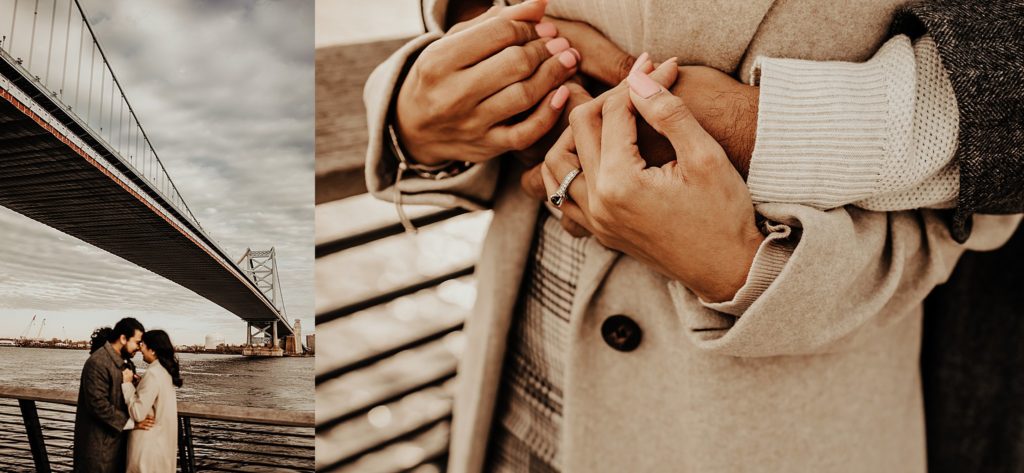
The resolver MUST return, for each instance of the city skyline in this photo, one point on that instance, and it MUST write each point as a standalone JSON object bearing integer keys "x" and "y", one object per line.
{"x": 225, "y": 91}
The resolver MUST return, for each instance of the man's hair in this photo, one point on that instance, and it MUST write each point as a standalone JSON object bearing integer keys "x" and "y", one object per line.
{"x": 127, "y": 327}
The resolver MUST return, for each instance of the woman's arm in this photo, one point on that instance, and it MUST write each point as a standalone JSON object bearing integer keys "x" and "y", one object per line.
{"x": 140, "y": 401}
{"x": 461, "y": 96}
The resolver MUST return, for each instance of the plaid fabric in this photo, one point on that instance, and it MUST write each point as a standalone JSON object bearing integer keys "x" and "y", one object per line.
{"x": 528, "y": 415}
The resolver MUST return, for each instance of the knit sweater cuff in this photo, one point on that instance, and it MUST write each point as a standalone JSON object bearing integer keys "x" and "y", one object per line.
{"x": 768, "y": 262}
{"x": 821, "y": 128}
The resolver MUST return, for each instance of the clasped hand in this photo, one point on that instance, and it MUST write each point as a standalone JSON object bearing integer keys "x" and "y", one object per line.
{"x": 690, "y": 219}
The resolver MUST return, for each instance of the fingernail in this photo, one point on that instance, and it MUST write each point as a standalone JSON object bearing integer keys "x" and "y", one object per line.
{"x": 546, "y": 30}
{"x": 561, "y": 95}
{"x": 642, "y": 84}
{"x": 576, "y": 53}
{"x": 639, "y": 62}
{"x": 568, "y": 59}
{"x": 557, "y": 45}
{"x": 647, "y": 67}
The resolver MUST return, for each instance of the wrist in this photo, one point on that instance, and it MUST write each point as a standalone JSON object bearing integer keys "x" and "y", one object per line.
{"x": 726, "y": 277}
{"x": 725, "y": 108}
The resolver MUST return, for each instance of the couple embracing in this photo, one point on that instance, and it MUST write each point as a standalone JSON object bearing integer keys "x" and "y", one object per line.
{"x": 125, "y": 422}
{"x": 687, "y": 272}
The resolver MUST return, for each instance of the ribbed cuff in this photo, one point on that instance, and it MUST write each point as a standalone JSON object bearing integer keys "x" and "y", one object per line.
{"x": 822, "y": 128}
{"x": 768, "y": 262}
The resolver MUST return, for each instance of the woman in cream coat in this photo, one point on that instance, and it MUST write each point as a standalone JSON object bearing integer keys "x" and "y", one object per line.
{"x": 154, "y": 450}
{"x": 813, "y": 365}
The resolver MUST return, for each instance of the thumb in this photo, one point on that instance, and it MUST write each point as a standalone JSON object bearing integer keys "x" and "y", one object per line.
{"x": 668, "y": 115}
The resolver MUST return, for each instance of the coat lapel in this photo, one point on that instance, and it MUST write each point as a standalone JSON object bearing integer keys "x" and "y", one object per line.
{"x": 500, "y": 273}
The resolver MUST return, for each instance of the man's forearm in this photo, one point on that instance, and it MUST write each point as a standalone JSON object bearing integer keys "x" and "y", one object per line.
{"x": 726, "y": 108}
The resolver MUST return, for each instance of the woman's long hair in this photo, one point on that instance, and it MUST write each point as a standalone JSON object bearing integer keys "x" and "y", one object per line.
{"x": 99, "y": 337}
{"x": 158, "y": 341}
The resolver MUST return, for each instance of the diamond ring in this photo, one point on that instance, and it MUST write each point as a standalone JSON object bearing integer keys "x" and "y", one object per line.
{"x": 560, "y": 195}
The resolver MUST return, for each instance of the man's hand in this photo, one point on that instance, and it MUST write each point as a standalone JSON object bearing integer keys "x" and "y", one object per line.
{"x": 690, "y": 219}
{"x": 602, "y": 59}
{"x": 465, "y": 95}
{"x": 723, "y": 106}
{"x": 146, "y": 423}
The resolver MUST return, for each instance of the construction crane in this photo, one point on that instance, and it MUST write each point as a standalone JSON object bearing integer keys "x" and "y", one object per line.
{"x": 39, "y": 335}
{"x": 29, "y": 328}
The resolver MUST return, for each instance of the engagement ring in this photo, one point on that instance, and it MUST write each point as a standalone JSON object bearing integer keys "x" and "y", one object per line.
{"x": 559, "y": 196}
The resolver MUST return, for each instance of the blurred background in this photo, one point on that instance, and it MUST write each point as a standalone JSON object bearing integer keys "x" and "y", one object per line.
{"x": 389, "y": 306}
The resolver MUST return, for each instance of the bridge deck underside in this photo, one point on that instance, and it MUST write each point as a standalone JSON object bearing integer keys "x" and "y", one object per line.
{"x": 44, "y": 179}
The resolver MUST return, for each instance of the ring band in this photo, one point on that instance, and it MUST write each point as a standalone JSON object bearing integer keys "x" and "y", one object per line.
{"x": 559, "y": 196}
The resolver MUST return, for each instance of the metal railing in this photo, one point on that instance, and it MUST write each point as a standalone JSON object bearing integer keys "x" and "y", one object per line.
{"x": 37, "y": 434}
{"x": 53, "y": 42}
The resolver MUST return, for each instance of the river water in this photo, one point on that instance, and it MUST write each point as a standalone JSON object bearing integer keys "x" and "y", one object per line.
{"x": 277, "y": 383}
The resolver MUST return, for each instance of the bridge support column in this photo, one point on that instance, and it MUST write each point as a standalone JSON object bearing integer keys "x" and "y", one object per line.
{"x": 267, "y": 348}
{"x": 277, "y": 343}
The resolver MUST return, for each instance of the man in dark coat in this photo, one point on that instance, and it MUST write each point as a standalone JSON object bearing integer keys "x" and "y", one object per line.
{"x": 972, "y": 355}
{"x": 102, "y": 414}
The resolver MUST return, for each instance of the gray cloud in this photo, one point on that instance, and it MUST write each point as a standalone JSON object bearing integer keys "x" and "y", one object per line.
{"x": 225, "y": 91}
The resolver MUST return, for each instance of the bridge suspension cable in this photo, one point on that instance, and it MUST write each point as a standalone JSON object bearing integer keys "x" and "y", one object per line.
{"x": 96, "y": 97}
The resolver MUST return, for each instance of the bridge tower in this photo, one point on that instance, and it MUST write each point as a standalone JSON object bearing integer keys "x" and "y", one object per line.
{"x": 260, "y": 266}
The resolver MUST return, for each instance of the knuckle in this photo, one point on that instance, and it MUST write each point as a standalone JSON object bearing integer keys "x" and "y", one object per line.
{"x": 582, "y": 114}
{"x": 504, "y": 31}
{"x": 518, "y": 138}
{"x": 623, "y": 65}
{"x": 520, "y": 97}
{"x": 670, "y": 111}
{"x": 519, "y": 62}
{"x": 612, "y": 103}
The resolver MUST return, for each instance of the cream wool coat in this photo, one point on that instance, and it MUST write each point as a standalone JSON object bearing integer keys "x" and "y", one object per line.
{"x": 154, "y": 450}
{"x": 820, "y": 373}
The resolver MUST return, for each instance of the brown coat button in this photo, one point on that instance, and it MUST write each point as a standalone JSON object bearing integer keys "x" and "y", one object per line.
{"x": 621, "y": 333}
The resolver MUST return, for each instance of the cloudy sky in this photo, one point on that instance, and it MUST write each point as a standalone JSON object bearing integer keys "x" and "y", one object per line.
{"x": 224, "y": 89}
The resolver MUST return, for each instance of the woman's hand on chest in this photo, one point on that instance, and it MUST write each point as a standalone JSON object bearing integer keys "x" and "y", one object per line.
{"x": 690, "y": 219}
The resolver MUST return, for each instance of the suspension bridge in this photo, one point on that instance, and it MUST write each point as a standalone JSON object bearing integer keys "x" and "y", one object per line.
{"x": 74, "y": 156}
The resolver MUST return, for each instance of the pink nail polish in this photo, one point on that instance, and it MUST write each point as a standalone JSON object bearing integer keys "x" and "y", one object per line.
{"x": 567, "y": 58}
{"x": 560, "y": 97}
{"x": 546, "y": 30}
{"x": 557, "y": 45}
{"x": 639, "y": 62}
{"x": 643, "y": 85}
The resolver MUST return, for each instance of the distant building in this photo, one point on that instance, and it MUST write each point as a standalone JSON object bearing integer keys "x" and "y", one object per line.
{"x": 214, "y": 340}
{"x": 8, "y": 343}
{"x": 311, "y": 342}
{"x": 297, "y": 339}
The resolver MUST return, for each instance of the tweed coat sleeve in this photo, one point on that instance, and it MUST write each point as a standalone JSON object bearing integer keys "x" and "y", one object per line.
{"x": 472, "y": 189}
{"x": 982, "y": 48}
{"x": 96, "y": 384}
